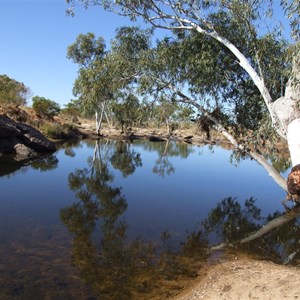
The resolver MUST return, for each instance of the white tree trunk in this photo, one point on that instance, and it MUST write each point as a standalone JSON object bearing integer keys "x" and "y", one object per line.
{"x": 293, "y": 137}
{"x": 99, "y": 119}
{"x": 287, "y": 110}
{"x": 98, "y": 123}
{"x": 96, "y": 117}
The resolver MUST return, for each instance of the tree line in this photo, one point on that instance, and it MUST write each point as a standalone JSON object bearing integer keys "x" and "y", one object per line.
{"x": 124, "y": 114}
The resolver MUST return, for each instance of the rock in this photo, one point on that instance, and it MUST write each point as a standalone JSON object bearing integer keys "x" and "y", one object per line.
{"x": 153, "y": 138}
{"x": 22, "y": 139}
{"x": 23, "y": 152}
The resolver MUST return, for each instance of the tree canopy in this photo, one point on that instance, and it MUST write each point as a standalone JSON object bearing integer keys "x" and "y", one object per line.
{"x": 12, "y": 91}
{"x": 45, "y": 107}
{"x": 235, "y": 25}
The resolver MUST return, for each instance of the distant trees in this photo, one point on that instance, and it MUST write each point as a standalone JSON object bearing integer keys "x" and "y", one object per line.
{"x": 72, "y": 109}
{"x": 12, "y": 92}
{"x": 45, "y": 107}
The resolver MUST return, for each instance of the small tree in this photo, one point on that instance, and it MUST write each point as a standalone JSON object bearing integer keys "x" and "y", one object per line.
{"x": 72, "y": 109}
{"x": 12, "y": 92}
{"x": 165, "y": 113}
{"x": 45, "y": 107}
{"x": 127, "y": 112}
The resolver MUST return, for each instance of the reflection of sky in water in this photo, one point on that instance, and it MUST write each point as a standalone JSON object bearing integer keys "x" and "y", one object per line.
{"x": 179, "y": 201}
{"x": 36, "y": 247}
{"x": 176, "y": 202}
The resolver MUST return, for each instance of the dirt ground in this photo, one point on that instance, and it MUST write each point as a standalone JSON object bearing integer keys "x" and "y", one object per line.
{"x": 244, "y": 278}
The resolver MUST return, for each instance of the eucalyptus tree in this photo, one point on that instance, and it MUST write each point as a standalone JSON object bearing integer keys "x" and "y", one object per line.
{"x": 88, "y": 52}
{"x": 126, "y": 112}
{"x": 127, "y": 50}
{"x": 106, "y": 76}
{"x": 193, "y": 69}
{"x": 12, "y": 92}
{"x": 244, "y": 53}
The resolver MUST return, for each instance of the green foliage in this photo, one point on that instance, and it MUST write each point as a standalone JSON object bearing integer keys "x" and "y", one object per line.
{"x": 127, "y": 112}
{"x": 104, "y": 75}
{"x": 201, "y": 55}
{"x": 86, "y": 49}
{"x": 12, "y": 92}
{"x": 58, "y": 131}
{"x": 45, "y": 107}
{"x": 72, "y": 109}
{"x": 231, "y": 221}
{"x": 88, "y": 52}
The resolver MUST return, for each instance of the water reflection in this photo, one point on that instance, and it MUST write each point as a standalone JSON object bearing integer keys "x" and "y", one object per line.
{"x": 103, "y": 200}
{"x": 274, "y": 237}
{"x": 230, "y": 221}
{"x": 117, "y": 268}
{"x": 43, "y": 163}
{"x": 166, "y": 150}
{"x": 125, "y": 158}
{"x": 106, "y": 257}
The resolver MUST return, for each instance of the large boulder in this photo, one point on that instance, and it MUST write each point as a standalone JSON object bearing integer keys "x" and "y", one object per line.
{"x": 21, "y": 139}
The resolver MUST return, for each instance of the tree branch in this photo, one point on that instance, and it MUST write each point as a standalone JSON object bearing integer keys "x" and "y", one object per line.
{"x": 275, "y": 223}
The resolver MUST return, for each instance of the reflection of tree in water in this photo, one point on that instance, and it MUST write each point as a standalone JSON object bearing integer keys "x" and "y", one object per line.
{"x": 108, "y": 265}
{"x": 163, "y": 165}
{"x": 282, "y": 244}
{"x": 115, "y": 267}
{"x": 45, "y": 164}
{"x": 118, "y": 268}
{"x": 237, "y": 226}
{"x": 230, "y": 221}
{"x": 125, "y": 159}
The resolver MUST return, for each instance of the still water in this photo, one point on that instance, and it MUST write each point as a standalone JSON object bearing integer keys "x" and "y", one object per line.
{"x": 118, "y": 220}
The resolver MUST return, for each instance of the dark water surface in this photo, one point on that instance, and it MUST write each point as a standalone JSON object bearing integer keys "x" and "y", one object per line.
{"x": 113, "y": 220}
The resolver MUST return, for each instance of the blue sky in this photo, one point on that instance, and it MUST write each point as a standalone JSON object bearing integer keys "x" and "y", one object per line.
{"x": 35, "y": 35}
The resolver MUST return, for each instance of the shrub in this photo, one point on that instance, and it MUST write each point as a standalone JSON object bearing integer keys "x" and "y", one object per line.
{"x": 45, "y": 107}
{"x": 58, "y": 131}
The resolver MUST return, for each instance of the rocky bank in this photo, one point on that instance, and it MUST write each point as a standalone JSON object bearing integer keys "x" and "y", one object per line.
{"x": 22, "y": 140}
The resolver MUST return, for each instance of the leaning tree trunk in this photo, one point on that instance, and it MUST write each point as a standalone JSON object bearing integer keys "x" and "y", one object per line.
{"x": 288, "y": 111}
{"x": 293, "y": 137}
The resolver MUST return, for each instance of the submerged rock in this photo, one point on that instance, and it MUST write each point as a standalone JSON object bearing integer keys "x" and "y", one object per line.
{"x": 22, "y": 139}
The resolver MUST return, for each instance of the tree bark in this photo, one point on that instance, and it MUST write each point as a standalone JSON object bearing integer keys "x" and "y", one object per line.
{"x": 99, "y": 120}
{"x": 293, "y": 137}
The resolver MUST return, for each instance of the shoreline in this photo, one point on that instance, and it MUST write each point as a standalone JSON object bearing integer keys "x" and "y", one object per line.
{"x": 244, "y": 278}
